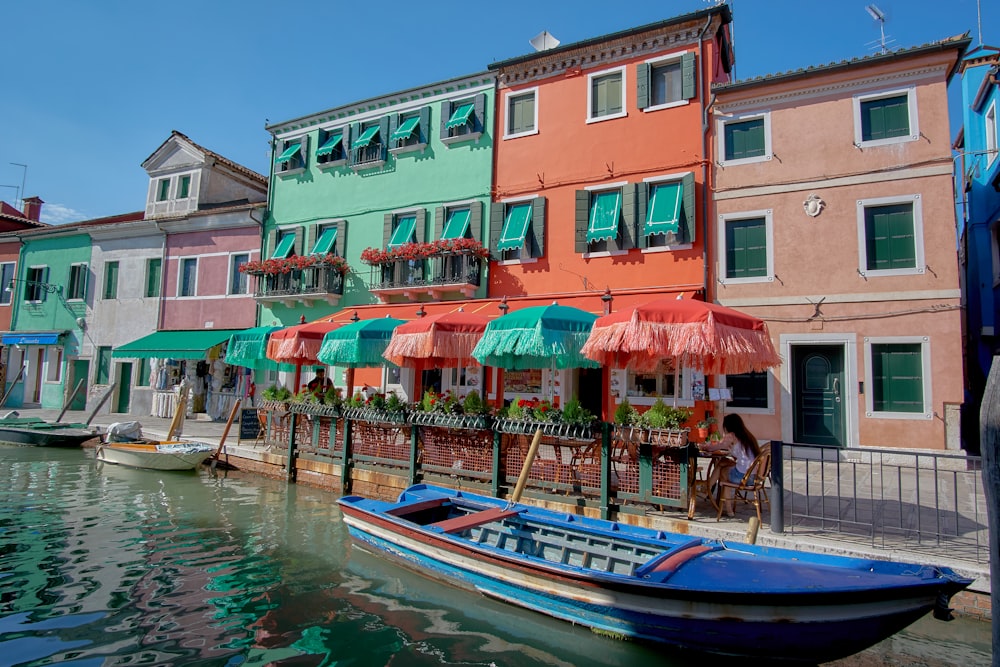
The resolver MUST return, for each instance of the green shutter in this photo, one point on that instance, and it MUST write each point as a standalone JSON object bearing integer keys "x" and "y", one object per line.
{"x": 885, "y": 118}
{"x": 537, "y": 228}
{"x": 324, "y": 244}
{"x": 689, "y": 216}
{"x": 340, "y": 244}
{"x": 897, "y": 376}
{"x": 439, "y": 222}
{"x": 581, "y": 218}
{"x": 664, "y": 208}
{"x": 626, "y": 229}
{"x": 420, "y": 225}
{"x": 425, "y": 124}
{"x": 476, "y": 220}
{"x": 641, "y": 203}
{"x": 403, "y": 233}
{"x": 496, "y": 225}
{"x": 445, "y": 115}
{"x": 284, "y": 247}
{"x": 744, "y": 139}
{"x": 642, "y": 85}
{"x": 457, "y": 225}
{"x": 387, "y": 228}
{"x": 689, "y": 86}
{"x": 889, "y": 237}
{"x": 746, "y": 248}
{"x": 479, "y": 113}
{"x": 515, "y": 226}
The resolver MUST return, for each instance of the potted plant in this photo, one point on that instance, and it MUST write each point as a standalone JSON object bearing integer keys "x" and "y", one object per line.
{"x": 664, "y": 424}
{"x": 702, "y": 427}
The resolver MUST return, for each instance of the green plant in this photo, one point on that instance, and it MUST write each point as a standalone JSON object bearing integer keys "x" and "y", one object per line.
{"x": 626, "y": 414}
{"x": 356, "y": 401}
{"x": 473, "y": 404}
{"x": 276, "y": 393}
{"x": 393, "y": 403}
{"x": 574, "y": 413}
{"x": 519, "y": 408}
{"x": 706, "y": 422}
{"x": 333, "y": 396}
{"x": 376, "y": 401}
{"x": 305, "y": 396}
{"x": 662, "y": 416}
{"x": 543, "y": 411}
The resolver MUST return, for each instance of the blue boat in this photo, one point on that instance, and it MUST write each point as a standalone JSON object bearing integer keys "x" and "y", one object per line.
{"x": 631, "y": 582}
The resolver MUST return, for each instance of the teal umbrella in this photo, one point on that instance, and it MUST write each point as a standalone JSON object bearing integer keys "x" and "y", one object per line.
{"x": 248, "y": 347}
{"x": 358, "y": 345}
{"x": 537, "y": 337}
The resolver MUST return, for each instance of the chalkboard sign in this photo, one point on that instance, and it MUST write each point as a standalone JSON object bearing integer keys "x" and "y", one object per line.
{"x": 249, "y": 424}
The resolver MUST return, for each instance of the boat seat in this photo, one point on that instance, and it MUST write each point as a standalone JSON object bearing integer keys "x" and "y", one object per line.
{"x": 473, "y": 519}
{"x": 670, "y": 560}
{"x": 412, "y": 508}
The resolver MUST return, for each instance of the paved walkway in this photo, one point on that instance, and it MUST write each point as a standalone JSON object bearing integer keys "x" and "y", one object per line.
{"x": 704, "y": 523}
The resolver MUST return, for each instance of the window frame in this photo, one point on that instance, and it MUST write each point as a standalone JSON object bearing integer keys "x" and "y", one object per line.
{"x": 622, "y": 71}
{"x": 182, "y": 262}
{"x": 911, "y": 106}
{"x": 184, "y": 182}
{"x": 925, "y": 360}
{"x": 296, "y": 164}
{"x": 526, "y": 254}
{"x": 723, "y": 221}
{"x": 661, "y": 61}
{"x": 990, "y": 133}
{"x": 102, "y": 365}
{"x": 417, "y": 140}
{"x": 110, "y": 288}
{"x": 509, "y": 98}
{"x": 768, "y": 410}
{"x": 918, "y": 236}
{"x": 603, "y": 249}
{"x": 649, "y": 183}
{"x": 159, "y": 278}
{"x": 475, "y": 125}
{"x": 338, "y": 156}
{"x": 995, "y": 251}
{"x": 163, "y": 189}
{"x": 34, "y": 278}
{"x": 720, "y": 129}
{"x": 76, "y": 285}
{"x": 7, "y": 286}
{"x": 235, "y": 274}
{"x": 53, "y": 371}
{"x": 687, "y": 378}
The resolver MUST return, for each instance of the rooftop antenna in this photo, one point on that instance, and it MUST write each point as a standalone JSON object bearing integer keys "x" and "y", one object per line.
{"x": 879, "y": 17}
{"x": 24, "y": 179}
{"x": 543, "y": 41}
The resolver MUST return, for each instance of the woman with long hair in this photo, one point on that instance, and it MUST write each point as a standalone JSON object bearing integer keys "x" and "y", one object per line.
{"x": 742, "y": 448}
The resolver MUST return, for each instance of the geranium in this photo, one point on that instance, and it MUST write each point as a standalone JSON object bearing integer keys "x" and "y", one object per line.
{"x": 415, "y": 251}
{"x": 275, "y": 266}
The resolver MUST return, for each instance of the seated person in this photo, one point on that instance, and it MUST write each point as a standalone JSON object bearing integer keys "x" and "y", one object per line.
{"x": 742, "y": 448}
{"x": 319, "y": 384}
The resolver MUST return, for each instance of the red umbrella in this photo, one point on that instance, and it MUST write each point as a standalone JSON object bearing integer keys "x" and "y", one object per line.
{"x": 701, "y": 335}
{"x": 445, "y": 340}
{"x": 298, "y": 345}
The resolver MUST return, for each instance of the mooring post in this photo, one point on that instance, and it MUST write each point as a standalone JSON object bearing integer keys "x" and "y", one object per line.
{"x": 777, "y": 497}
{"x": 989, "y": 438}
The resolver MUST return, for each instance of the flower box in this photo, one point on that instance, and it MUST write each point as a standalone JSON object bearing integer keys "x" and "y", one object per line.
{"x": 375, "y": 415}
{"x": 316, "y": 409}
{"x": 552, "y": 429}
{"x": 444, "y": 420}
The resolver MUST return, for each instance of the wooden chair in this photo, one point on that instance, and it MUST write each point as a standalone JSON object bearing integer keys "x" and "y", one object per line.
{"x": 262, "y": 429}
{"x": 752, "y": 488}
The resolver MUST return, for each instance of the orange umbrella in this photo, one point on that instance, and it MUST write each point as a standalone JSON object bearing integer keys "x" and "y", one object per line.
{"x": 701, "y": 335}
{"x": 298, "y": 345}
{"x": 445, "y": 340}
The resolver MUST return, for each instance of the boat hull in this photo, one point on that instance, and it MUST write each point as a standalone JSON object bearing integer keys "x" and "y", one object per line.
{"x": 700, "y": 604}
{"x": 39, "y": 433}
{"x": 155, "y": 455}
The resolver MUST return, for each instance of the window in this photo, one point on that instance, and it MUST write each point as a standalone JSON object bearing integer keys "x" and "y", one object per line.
{"x": 410, "y": 131}
{"x": 605, "y": 218}
{"x": 111, "y": 280}
{"x": 896, "y": 370}
{"x": 522, "y": 114}
{"x": 463, "y": 119}
{"x": 746, "y": 255}
{"x": 103, "y": 365}
{"x": 77, "y": 285}
{"x": 142, "y": 378}
{"x": 163, "y": 190}
{"x": 368, "y": 150}
{"x": 991, "y": 133}
{"x": 885, "y": 118}
{"x": 750, "y": 391}
{"x": 153, "y": 271}
{"x": 331, "y": 149}
{"x": 188, "y": 277}
{"x": 666, "y": 210}
{"x": 292, "y": 156}
{"x": 284, "y": 245}
{"x": 457, "y": 224}
{"x": 665, "y": 82}
{"x": 606, "y": 95}
{"x": 326, "y": 242}
{"x": 34, "y": 290}
{"x": 645, "y": 388}
{"x": 53, "y": 364}
{"x": 238, "y": 279}
{"x": 403, "y": 231}
{"x": 745, "y": 139}
{"x": 517, "y": 229}
{"x": 7, "y": 270}
{"x": 890, "y": 235}
{"x": 185, "y": 187}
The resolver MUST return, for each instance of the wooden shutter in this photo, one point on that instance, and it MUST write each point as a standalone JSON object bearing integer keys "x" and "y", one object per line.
{"x": 687, "y": 224}
{"x": 445, "y": 115}
{"x": 479, "y": 109}
{"x": 304, "y": 151}
{"x": 300, "y": 239}
{"x": 582, "y": 220}
{"x": 689, "y": 86}
{"x": 497, "y": 210}
{"x": 340, "y": 243}
{"x": 641, "y": 209}
{"x": 387, "y": 225}
{"x": 420, "y": 227}
{"x": 425, "y": 124}
{"x": 345, "y": 142}
{"x": 476, "y": 220}
{"x": 642, "y": 85}
{"x": 538, "y": 226}
{"x": 43, "y": 294}
{"x": 438, "y": 222}
{"x": 626, "y": 228}
{"x": 393, "y": 124}
{"x": 383, "y": 130}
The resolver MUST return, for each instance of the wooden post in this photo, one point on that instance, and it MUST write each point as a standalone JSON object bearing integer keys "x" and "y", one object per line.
{"x": 225, "y": 431}
{"x": 72, "y": 397}
{"x": 989, "y": 437}
{"x": 777, "y": 498}
{"x": 528, "y": 460}
{"x": 13, "y": 384}
{"x": 100, "y": 403}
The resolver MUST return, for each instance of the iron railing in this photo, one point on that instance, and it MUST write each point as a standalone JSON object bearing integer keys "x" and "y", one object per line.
{"x": 314, "y": 280}
{"x": 436, "y": 271}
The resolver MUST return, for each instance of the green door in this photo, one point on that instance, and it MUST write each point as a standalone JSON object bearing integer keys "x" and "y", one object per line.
{"x": 80, "y": 371}
{"x": 124, "y": 386}
{"x": 817, "y": 393}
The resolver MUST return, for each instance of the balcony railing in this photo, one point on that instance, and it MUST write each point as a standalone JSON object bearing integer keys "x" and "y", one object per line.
{"x": 315, "y": 283}
{"x": 437, "y": 276}
{"x": 366, "y": 157}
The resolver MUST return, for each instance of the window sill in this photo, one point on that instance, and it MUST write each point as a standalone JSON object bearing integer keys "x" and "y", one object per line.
{"x": 891, "y": 272}
{"x": 331, "y": 164}
{"x": 747, "y": 281}
{"x": 461, "y": 138}
{"x": 650, "y": 400}
{"x": 667, "y": 248}
{"x": 515, "y": 262}
{"x": 746, "y": 160}
{"x": 912, "y": 416}
{"x": 605, "y": 253}
{"x": 375, "y": 164}
{"x": 613, "y": 116}
{"x": 887, "y": 142}
{"x": 527, "y": 133}
{"x": 668, "y": 105}
{"x": 291, "y": 172}
{"x": 415, "y": 148}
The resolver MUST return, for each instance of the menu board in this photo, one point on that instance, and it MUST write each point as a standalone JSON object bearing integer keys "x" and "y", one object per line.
{"x": 523, "y": 382}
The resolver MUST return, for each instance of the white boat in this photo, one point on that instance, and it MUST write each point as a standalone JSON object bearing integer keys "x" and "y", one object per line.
{"x": 155, "y": 455}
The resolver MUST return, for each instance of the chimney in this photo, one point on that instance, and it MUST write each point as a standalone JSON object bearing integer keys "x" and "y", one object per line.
{"x": 33, "y": 208}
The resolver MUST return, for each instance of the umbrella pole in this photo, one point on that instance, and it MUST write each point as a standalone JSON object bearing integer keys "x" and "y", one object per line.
{"x": 298, "y": 378}
{"x": 350, "y": 382}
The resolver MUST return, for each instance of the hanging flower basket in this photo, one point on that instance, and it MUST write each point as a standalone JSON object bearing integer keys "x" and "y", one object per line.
{"x": 415, "y": 251}
{"x": 270, "y": 267}
{"x": 660, "y": 437}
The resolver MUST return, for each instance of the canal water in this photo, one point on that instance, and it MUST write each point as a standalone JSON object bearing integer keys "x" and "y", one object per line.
{"x": 104, "y": 565}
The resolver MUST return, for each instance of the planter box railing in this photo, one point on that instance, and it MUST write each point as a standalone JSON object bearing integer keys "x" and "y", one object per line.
{"x": 311, "y": 281}
{"x": 650, "y": 466}
{"x": 568, "y": 458}
{"x": 437, "y": 271}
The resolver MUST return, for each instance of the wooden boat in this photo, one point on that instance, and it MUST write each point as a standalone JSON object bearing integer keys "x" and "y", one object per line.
{"x": 631, "y": 582}
{"x": 36, "y": 432}
{"x": 155, "y": 455}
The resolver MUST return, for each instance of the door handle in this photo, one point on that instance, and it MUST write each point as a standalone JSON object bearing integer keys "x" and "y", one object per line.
{"x": 836, "y": 389}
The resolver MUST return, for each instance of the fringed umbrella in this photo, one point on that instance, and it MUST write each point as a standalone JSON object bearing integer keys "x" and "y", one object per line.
{"x": 298, "y": 345}
{"x": 445, "y": 340}
{"x": 705, "y": 336}
{"x": 537, "y": 337}
{"x": 358, "y": 345}
{"x": 249, "y": 347}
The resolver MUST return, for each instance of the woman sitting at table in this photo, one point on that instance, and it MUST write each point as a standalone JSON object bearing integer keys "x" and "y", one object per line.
{"x": 742, "y": 447}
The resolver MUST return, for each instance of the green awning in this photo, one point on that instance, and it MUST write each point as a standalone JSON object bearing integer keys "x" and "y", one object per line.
{"x": 604, "y": 213}
{"x": 664, "y": 212}
{"x": 406, "y": 129}
{"x": 366, "y": 137}
{"x": 515, "y": 227}
{"x": 459, "y": 116}
{"x": 403, "y": 232}
{"x": 325, "y": 241}
{"x": 458, "y": 222}
{"x": 329, "y": 144}
{"x": 174, "y": 344}
{"x": 284, "y": 247}
{"x": 289, "y": 152}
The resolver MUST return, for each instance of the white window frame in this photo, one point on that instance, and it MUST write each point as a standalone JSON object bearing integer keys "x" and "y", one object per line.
{"x": 720, "y": 128}
{"x": 990, "y": 132}
{"x": 508, "y": 98}
{"x": 911, "y": 103}
{"x": 180, "y": 178}
{"x": 659, "y": 180}
{"x": 607, "y": 187}
{"x": 918, "y": 236}
{"x": 925, "y": 358}
{"x": 769, "y": 410}
{"x": 590, "y": 94}
{"x": 84, "y": 278}
{"x": 232, "y": 274}
{"x": 521, "y": 259}
{"x": 34, "y": 285}
{"x": 724, "y": 218}
{"x": 663, "y": 60}
{"x": 53, "y": 368}
{"x": 180, "y": 277}
{"x": 687, "y": 378}
{"x": 7, "y": 289}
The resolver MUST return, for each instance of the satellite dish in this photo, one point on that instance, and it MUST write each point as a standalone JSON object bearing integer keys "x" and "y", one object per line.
{"x": 543, "y": 41}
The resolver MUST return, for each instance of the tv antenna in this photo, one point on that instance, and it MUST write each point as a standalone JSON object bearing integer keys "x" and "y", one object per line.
{"x": 879, "y": 17}
{"x": 543, "y": 41}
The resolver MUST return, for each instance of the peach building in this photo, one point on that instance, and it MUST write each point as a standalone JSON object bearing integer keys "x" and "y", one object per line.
{"x": 834, "y": 221}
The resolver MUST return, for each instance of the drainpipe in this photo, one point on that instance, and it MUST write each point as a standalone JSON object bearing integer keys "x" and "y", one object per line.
{"x": 706, "y": 158}
{"x": 260, "y": 223}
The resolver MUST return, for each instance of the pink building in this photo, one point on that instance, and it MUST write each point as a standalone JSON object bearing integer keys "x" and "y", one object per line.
{"x": 834, "y": 221}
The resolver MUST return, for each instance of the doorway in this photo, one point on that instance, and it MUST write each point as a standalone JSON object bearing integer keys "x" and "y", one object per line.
{"x": 590, "y": 385}
{"x": 79, "y": 370}
{"x": 124, "y": 387}
{"x": 818, "y": 395}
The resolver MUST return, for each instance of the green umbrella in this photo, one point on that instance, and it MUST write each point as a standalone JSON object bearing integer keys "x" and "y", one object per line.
{"x": 537, "y": 337}
{"x": 248, "y": 347}
{"x": 359, "y": 344}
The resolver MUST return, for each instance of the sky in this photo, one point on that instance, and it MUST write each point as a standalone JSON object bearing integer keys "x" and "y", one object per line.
{"x": 92, "y": 88}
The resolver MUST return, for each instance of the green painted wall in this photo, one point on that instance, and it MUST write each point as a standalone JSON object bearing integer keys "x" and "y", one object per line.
{"x": 438, "y": 174}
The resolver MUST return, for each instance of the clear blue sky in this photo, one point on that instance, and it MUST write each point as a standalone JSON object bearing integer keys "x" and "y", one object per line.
{"x": 91, "y": 89}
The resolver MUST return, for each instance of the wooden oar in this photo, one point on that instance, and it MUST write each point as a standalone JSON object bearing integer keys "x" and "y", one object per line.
{"x": 175, "y": 424}
{"x": 72, "y": 397}
{"x": 529, "y": 458}
{"x": 225, "y": 431}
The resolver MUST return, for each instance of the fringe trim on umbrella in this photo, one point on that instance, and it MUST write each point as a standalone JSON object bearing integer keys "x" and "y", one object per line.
{"x": 532, "y": 348}
{"x": 355, "y": 352}
{"x": 246, "y": 352}
{"x": 294, "y": 350}
{"x": 427, "y": 344}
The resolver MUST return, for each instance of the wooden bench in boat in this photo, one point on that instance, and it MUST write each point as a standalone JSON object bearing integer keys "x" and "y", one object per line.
{"x": 670, "y": 560}
{"x": 473, "y": 519}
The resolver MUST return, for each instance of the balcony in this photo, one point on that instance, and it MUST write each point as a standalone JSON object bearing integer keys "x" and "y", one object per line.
{"x": 438, "y": 276}
{"x": 306, "y": 286}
